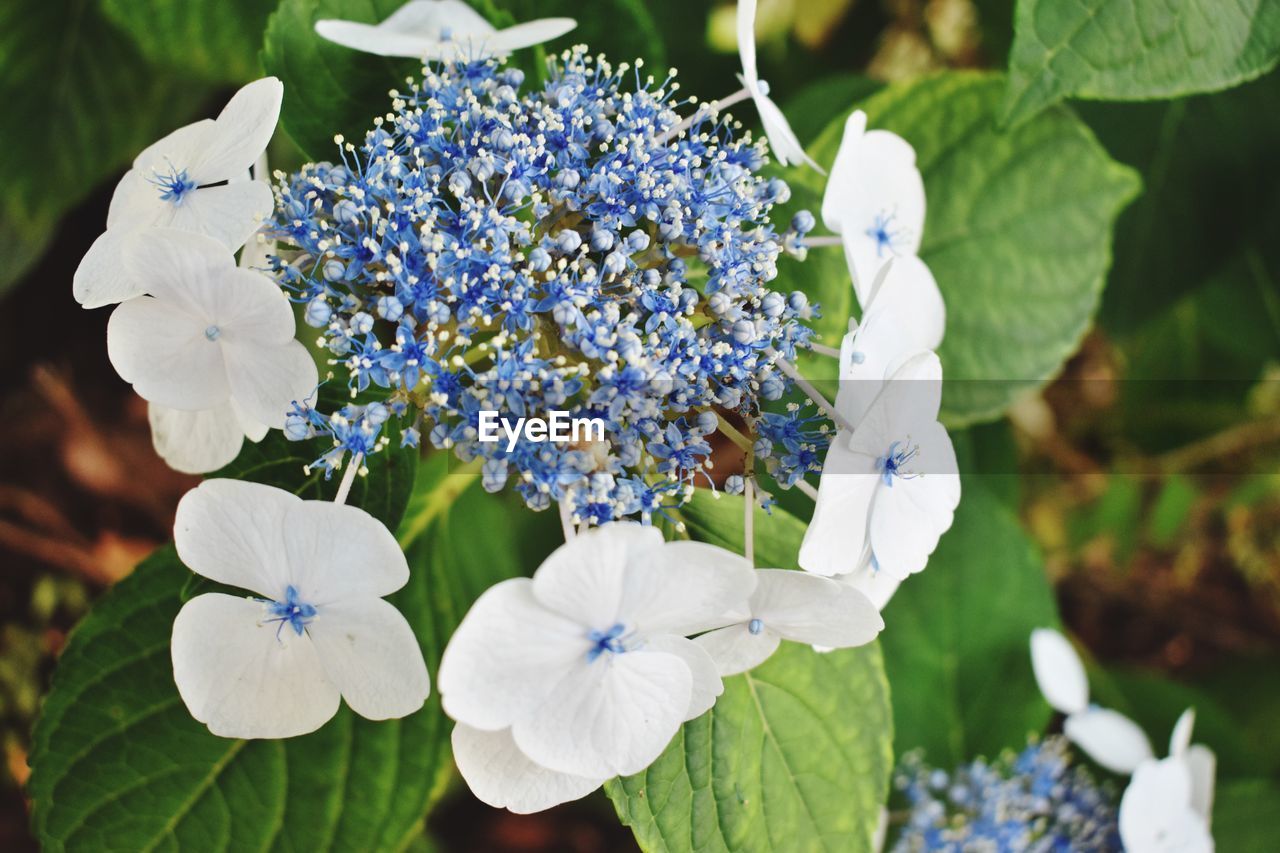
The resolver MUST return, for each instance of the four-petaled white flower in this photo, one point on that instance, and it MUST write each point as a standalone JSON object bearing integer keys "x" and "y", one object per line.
{"x": 875, "y": 201}
{"x": 782, "y": 139}
{"x": 1108, "y": 737}
{"x": 790, "y": 605}
{"x": 211, "y": 348}
{"x": 903, "y": 315}
{"x": 584, "y": 671}
{"x": 316, "y": 629}
{"x": 440, "y": 30}
{"x": 1169, "y": 803}
{"x": 890, "y": 488}
{"x": 195, "y": 179}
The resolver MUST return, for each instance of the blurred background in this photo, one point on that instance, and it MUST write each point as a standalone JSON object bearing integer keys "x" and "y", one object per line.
{"x": 1147, "y": 473}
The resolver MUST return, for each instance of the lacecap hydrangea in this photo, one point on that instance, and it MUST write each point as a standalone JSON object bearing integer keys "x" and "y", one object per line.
{"x": 574, "y": 246}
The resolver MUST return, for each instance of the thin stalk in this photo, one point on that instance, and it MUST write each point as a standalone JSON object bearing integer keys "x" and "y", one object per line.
{"x": 348, "y": 478}
{"x": 701, "y": 113}
{"x": 748, "y": 523}
{"x": 810, "y": 491}
{"x": 807, "y": 387}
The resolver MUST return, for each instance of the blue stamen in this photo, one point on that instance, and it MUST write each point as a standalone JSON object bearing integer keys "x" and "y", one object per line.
{"x": 893, "y": 463}
{"x": 173, "y": 186}
{"x": 606, "y": 641}
{"x": 884, "y": 236}
{"x": 857, "y": 357}
{"x": 212, "y": 333}
{"x": 293, "y": 611}
{"x": 755, "y": 626}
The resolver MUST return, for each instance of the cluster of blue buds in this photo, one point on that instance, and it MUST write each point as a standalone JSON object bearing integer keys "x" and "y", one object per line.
{"x": 1035, "y": 800}
{"x": 572, "y": 247}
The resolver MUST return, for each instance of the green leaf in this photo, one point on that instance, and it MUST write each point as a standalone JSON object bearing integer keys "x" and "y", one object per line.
{"x": 1017, "y": 234}
{"x": 80, "y": 102}
{"x": 1209, "y": 185}
{"x": 1133, "y": 50}
{"x": 22, "y": 245}
{"x": 796, "y": 753}
{"x": 809, "y": 112}
{"x": 329, "y": 89}
{"x": 623, "y": 30}
{"x": 119, "y": 763}
{"x": 956, "y": 638}
{"x": 1246, "y": 816}
{"x": 216, "y": 40}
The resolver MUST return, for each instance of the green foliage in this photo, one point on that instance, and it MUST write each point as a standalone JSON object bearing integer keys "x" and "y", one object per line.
{"x": 809, "y": 111}
{"x": 215, "y": 40}
{"x": 1131, "y": 50}
{"x": 794, "y": 756}
{"x": 956, "y": 642}
{"x": 1246, "y": 816}
{"x": 118, "y": 762}
{"x": 623, "y": 30}
{"x": 80, "y": 102}
{"x": 1018, "y": 234}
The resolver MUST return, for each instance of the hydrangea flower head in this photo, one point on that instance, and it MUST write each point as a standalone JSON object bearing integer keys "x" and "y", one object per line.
{"x": 1036, "y": 800}
{"x": 493, "y": 247}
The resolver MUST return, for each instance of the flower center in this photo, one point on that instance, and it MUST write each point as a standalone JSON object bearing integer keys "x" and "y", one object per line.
{"x": 611, "y": 640}
{"x": 174, "y": 185}
{"x": 755, "y": 626}
{"x": 212, "y": 333}
{"x": 883, "y": 232}
{"x": 293, "y": 612}
{"x": 895, "y": 461}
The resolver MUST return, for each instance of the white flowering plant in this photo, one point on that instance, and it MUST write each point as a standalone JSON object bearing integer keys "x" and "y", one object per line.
{"x": 777, "y": 569}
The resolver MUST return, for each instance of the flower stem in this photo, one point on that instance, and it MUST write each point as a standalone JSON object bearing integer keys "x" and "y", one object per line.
{"x": 810, "y": 491}
{"x": 823, "y": 240}
{"x": 566, "y": 519}
{"x": 348, "y": 478}
{"x": 701, "y": 113}
{"x": 807, "y": 387}
{"x": 823, "y": 349}
{"x": 748, "y": 522}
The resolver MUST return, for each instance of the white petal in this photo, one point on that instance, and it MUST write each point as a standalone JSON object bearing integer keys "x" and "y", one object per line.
{"x": 196, "y": 442}
{"x": 735, "y": 649}
{"x": 583, "y": 579}
{"x": 179, "y": 266}
{"x": 805, "y": 608}
{"x": 908, "y": 403}
{"x": 782, "y": 139}
{"x": 101, "y": 278}
{"x": 178, "y": 150}
{"x": 528, "y": 34}
{"x": 136, "y": 203}
{"x": 840, "y": 201}
{"x": 1180, "y": 738}
{"x": 876, "y": 585}
{"x": 433, "y": 17}
{"x": 746, "y": 23}
{"x": 253, "y": 430}
{"x": 337, "y": 552}
{"x": 231, "y": 531}
{"x": 836, "y": 541}
{"x": 685, "y": 587}
{"x": 910, "y": 514}
{"x": 370, "y": 653}
{"x": 502, "y": 776}
{"x": 1109, "y": 738}
{"x": 241, "y": 132}
{"x": 1155, "y": 814}
{"x": 266, "y": 380}
{"x": 165, "y": 354}
{"x": 706, "y": 685}
{"x": 1203, "y": 764}
{"x": 1059, "y": 671}
{"x": 610, "y": 716}
{"x": 506, "y": 656}
{"x": 244, "y": 677}
{"x": 229, "y": 213}
{"x": 376, "y": 40}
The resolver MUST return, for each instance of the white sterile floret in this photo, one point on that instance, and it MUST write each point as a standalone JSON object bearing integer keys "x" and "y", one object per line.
{"x": 1108, "y": 737}
{"x": 210, "y": 338}
{"x": 1168, "y": 805}
{"x": 904, "y": 315}
{"x": 782, "y": 139}
{"x": 890, "y": 488}
{"x": 795, "y": 606}
{"x": 195, "y": 179}
{"x": 874, "y": 200}
{"x": 440, "y": 30}
{"x": 315, "y": 629}
{"x": 584, "y": 671}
